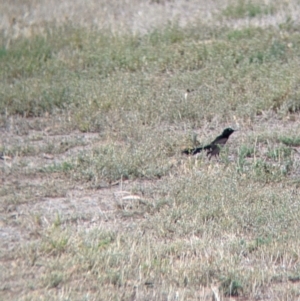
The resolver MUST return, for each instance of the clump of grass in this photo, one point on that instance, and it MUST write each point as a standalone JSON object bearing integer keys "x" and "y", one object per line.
{"x": 290, "y": 141}
{"x": 269, "y": 172}
{"x": 113, "y": 163}
{"x": 243, "y": 153}
{"x": 257, "y": 243}
{"x": 279, "y": 153}
{"x": 231, "y": 287}
{"x": 244, "y": 33}
{"x": 53, "y": 280}
{"x": 63, "y": 167}
{"x": 246, "y": 8}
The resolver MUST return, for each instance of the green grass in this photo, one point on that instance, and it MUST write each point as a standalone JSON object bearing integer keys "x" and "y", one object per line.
{"x": 122, "y": 63}
{"x": 290, "y": 141}
{"x": 117, "y": 212}
{"x": 245, "y": 8}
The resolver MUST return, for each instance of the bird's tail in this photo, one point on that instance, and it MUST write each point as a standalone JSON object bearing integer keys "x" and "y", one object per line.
{"x": 192, "y": 151}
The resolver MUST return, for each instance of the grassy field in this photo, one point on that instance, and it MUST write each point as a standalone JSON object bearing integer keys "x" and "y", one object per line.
{"x": 97, "y": 201}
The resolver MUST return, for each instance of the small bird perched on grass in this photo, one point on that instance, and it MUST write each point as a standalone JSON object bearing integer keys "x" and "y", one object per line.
{"x": 213, "y": 149}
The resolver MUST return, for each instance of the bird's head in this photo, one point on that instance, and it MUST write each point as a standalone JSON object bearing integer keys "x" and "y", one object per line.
{"x": 227, "y": 132}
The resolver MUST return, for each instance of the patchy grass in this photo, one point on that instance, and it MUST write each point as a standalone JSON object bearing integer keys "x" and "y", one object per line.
{"x": 97, "y": 201}
{"x": 290, "y": 141}
{"x": 245, "y": 8}
{"x": 111, "y": 77}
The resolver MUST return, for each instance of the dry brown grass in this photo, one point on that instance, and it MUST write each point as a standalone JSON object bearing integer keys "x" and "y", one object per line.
{"x": 31, "y": 16}
{"x": 97, "y": 203}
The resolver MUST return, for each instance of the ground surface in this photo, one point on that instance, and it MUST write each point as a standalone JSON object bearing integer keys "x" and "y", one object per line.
{"x": 97, "y": 202}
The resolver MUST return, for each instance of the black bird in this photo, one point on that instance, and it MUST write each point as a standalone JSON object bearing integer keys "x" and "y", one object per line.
{"x": 212, "y": 149}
